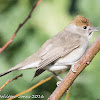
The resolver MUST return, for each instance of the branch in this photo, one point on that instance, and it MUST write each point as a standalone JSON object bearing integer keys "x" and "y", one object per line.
{"x": 19, "y": 27}
{"x": 35, "y": 86}
{"x": 10, "y": 81}
{"x": 79, "y": 67}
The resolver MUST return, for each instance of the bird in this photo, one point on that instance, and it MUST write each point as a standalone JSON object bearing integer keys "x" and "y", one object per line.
{"x": 61, "y": 51}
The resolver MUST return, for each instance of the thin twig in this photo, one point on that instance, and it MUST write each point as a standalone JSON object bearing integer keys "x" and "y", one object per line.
{"x": 35, "y": 86}
{"x": 8, "y": 81}
{"x": 19, "y": 27}
{"x": 67, "y": 94}
{"x": 79, "y": 67}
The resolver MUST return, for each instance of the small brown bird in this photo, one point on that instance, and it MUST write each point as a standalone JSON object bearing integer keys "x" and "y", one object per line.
{"x": 62, "y": 50}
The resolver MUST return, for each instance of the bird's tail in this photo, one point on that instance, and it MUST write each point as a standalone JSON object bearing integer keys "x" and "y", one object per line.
{"x": 2, "y": 74}
{"x": 26, "y": 64}
{"x": 10, "y": 70}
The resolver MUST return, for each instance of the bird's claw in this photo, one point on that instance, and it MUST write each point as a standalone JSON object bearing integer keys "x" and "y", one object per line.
{"x": 73, "y": 70}
{"x": 58, "y": 83}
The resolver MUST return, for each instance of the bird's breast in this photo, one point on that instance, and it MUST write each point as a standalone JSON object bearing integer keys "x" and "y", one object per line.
{"x": 73, "y": 56}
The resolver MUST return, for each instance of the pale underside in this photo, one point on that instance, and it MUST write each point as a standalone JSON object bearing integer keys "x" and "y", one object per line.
{"x": 61, "y": 48}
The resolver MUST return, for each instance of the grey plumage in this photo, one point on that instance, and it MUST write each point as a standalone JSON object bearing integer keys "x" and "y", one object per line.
{"x": 60, "y": 46}
{"x": 54, "y": 48}
{"x": 66, "y": 47}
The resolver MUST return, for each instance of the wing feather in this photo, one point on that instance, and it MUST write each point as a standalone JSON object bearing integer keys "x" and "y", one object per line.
{"x": 60, "y": 46}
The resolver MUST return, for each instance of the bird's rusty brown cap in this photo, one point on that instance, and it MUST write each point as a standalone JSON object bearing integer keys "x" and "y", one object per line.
{"x": 81, "y": 21}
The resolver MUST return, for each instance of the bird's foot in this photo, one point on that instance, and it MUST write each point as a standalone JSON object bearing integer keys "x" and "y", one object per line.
{"x": 73, "y": 70}
{"x": 67, "y": 90}
{"x": 58, "y": 83}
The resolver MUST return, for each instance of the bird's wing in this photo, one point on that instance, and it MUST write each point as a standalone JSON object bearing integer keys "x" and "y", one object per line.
{"x": 58, "y": 46}
{"x": 54, "y": 48}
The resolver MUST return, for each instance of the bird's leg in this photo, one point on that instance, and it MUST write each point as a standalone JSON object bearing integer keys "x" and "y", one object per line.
{"x": 58, "y": 83}
{"x": 58, "y": 78}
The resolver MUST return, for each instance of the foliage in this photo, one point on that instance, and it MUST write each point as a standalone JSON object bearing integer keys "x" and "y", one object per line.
{"x": 50, "y": 17}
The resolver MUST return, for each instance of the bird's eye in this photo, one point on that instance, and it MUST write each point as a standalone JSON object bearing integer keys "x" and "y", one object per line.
{"x": 85, "y": 27}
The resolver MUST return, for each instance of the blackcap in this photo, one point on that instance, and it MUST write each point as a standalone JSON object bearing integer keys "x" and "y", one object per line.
{"x": 61, "y": 51}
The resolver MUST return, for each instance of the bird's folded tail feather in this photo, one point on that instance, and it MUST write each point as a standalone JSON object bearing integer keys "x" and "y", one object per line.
{"x": 10, "y": 70}
{"x": 5, "y": 73}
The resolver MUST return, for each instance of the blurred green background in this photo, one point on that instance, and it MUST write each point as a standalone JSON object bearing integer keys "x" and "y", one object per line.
{"x": 49, "y": 17}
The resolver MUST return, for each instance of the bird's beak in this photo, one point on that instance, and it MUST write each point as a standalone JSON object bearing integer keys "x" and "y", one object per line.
{"x": 94, "y": 29}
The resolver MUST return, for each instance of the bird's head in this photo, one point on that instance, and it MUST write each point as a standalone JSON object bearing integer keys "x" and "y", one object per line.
{"x": 82, "y": 26}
